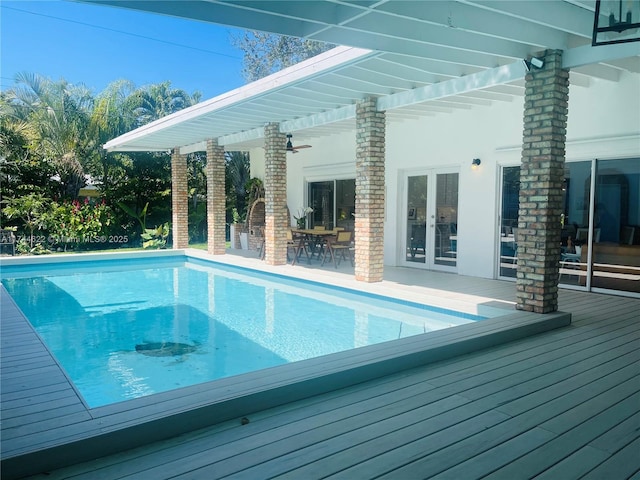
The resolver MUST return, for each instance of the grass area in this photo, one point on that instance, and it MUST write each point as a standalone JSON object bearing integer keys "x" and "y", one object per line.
{"x": 198, "y": 246}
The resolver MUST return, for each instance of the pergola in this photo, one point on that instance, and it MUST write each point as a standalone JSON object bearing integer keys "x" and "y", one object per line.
{"x": 416, "y": 58}
{"x": 400, "y": 60}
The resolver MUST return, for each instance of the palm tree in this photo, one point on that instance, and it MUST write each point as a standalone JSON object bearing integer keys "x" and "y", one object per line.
{"x": 57, "y": 115}
{"x": 159, "y": 100}
{"x": 112, "y": 115}
{"x": 237, "y": 174}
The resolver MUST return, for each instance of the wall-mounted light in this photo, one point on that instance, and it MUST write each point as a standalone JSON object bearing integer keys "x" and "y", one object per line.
{"x": 533, "y": 62}
{"x": 475, "y": 163}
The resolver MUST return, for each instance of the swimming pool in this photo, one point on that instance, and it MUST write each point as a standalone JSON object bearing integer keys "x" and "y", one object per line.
{"x": 128, "y": 328}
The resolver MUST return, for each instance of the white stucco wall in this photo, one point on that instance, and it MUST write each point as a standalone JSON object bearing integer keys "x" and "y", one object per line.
{"x": 604, "y": 122}
{"x": 455, "y": 140}
{"x": 604, "y": 119}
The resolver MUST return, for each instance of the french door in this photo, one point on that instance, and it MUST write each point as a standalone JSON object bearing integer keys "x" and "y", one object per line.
{"x": 430, "y": 234}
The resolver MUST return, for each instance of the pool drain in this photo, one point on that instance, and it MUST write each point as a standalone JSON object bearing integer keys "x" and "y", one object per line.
{"x": 165, "y": 349}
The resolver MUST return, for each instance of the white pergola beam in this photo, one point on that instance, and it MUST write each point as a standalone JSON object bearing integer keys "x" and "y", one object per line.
{"x": 194, "y": 147}
{"x": 310, "y": 121}
{"x": 587, "y": 55}
{"x": 475, "y": 81}
{"x": 318, "y": 119}
{"x": 140, "y": 148}
{"x": 241, "y": 137}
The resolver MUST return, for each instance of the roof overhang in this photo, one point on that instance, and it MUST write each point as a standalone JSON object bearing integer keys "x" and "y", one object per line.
{"x": 417, "y": 58}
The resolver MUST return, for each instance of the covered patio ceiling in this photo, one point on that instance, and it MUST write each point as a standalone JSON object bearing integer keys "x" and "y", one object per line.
{"x": 416, "y": 57}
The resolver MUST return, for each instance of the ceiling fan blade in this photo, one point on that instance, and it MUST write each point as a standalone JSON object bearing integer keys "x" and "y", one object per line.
{"x": 297, "y": 147}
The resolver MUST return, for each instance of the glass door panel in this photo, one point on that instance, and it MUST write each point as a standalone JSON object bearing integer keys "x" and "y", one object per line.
{"x": 575, "y": 224}
{"x": 446, "y": 226}
{"x": 346, "y": 204}
{"x": 416, "y": 215}
{"x": 321, "y": 200}
{"x": 616, "y": 226}
{"x": 508, "y": 249}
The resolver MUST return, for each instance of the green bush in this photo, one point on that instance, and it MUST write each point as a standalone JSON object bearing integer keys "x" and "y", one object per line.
{"x": 78, "y": 224}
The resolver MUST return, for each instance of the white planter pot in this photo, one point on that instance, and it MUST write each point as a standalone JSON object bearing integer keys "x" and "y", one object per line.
{"x": 235, "y": 244}
{"x": 244, "y": 241}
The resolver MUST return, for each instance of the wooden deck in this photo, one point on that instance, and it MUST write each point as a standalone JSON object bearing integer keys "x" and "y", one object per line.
{"x": 559, "y": 404}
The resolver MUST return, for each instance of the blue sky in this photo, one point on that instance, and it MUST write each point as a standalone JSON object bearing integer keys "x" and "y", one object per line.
{"x": 97, "y": 45}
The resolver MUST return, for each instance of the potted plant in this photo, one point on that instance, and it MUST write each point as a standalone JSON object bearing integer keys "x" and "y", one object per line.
{"x": 577, "y": 244}
{"x": 301, "y": 219}
{"x": 236, "y": 229}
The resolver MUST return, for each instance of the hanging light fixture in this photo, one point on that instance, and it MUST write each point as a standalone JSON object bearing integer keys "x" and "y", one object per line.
{"x": 616, "y": 21}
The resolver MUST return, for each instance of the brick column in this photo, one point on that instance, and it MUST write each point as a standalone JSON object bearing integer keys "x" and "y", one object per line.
{"x": 541, "y": 177}
{"x": 275, "y": 188}
{"x": 369, "y": 231}
{"x": 216, "y": 237}
{"x": 179, "y": 200}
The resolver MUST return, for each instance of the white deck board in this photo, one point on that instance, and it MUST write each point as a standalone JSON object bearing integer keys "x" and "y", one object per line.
{"x": 560, "y": 404}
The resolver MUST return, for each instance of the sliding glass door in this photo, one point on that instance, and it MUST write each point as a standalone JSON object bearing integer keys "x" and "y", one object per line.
{"x": 616, "y": 226}
{"x": 600, "y": 246}
{"x": 333, "y": 204}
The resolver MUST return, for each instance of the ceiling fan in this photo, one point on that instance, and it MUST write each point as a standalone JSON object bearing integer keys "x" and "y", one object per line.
{"x": 291, "y": 148}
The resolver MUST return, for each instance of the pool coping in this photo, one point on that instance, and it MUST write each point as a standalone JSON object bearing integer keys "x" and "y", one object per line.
{"x": 136, "y": 422}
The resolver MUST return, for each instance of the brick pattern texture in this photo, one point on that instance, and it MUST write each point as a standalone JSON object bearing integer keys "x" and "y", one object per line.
{"x": 275, "y": 186}
{"x": 179, "y": 200}
{"x": 370, "y": 156}
{"x": 541, "y": 177}
{"x": 216, "y": 237}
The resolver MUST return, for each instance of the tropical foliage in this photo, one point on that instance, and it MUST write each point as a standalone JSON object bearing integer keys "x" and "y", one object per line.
{"x": 155, "y": 238}
{"x": 76, "y": 224}
{"x": 237, "y": 175}
{"x": 51, "y": 137}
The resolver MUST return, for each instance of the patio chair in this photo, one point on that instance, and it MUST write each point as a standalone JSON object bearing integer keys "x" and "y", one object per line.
{"x": 339, "y": 246}
{"x": 418, "y": 239}
{"x": 298, "y": 244}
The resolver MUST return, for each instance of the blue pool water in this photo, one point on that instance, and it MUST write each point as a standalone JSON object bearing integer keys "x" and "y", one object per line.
{"x": 128, "y": 328}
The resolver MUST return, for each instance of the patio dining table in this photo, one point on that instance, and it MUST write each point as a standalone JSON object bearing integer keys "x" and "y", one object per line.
{"x": 314, "y": 238}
